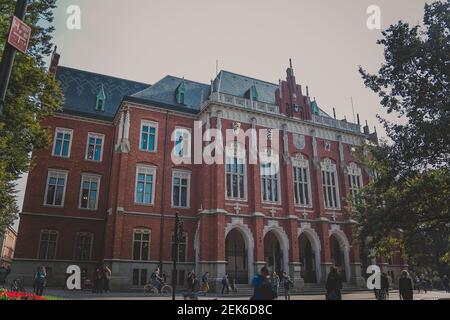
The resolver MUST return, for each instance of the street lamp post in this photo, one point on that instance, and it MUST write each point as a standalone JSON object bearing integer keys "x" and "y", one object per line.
{"x": 9, "y": 53}
{"x": 177, "y": 233}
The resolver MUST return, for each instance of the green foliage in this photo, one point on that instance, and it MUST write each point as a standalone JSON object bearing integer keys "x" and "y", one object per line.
{"x": 410, "y": 198}
{"x": 32, "y": 95}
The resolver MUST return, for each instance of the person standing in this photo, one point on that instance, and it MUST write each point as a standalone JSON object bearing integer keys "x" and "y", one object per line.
{"x": 107, "y": 277}
{"x": 287, "y": 284}
{"x": 446, "y": 284}
{"x": 4, "y": 272}
{"x": 333, "y": 285}
{"x": 225, "y": 283}
{"x": 262, "y": 286}
{"x": 39, "y": 280}
{"x": 275, "y": 282}
{"x": 405, "y": 287}
{"x": 205, "y": 282}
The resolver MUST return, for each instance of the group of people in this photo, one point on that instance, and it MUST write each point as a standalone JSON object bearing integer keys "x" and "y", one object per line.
{"x": 102, "y": 277}
{"x": 266, "y": 285}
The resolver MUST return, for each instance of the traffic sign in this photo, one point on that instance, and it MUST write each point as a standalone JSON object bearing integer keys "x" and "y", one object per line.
{"x": 19, "y": 35}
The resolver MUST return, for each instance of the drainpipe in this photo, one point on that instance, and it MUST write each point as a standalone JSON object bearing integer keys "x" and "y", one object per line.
{"x": 161, "y": 229}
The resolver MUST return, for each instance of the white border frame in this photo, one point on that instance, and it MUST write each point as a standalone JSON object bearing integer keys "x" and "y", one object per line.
{"x": 40, "y": 242}
{"x": 57, "y": 171}
{"x": 90, "y": 249}
{"x": 89, "y": 175}
{"x": 94, "y": 135}
{"x": 303, "y": 163}
{"x": 245, "y": 199}
{"x": 153, "y": 124}
{"x": 182, "y": 129}
{"x": 327, "y": 165}
{"x": 189, "y": 175}
{"x": 149, "y": 242}
{"x": 153, "y": 170}
{"x": 63, "y": 130}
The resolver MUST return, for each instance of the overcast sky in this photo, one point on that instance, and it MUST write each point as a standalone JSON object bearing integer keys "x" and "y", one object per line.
{"x": 144, "y": 40}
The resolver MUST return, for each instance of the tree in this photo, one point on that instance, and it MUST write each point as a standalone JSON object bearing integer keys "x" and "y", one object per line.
{"x": 32, "y": 94}
{"x": 411, "y": 193}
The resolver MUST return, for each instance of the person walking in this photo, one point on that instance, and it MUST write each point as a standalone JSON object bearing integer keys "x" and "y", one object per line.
{"x": 262, "y": 286}
{"x": 446, "y": 284}
{"x": 39, "y": 280}
{"x": 405, "y": 286}
{"x": 287, "y": 284}
{"x": 333, "y": 285}
{"x": 205, "y": 283}
{"x": 275, "y": 283}
{"x": 225, "y": 283}
{"x": 106, "y": 277}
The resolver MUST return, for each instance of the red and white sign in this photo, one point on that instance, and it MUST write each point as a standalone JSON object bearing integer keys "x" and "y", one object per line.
{"x": 19, "y": 36}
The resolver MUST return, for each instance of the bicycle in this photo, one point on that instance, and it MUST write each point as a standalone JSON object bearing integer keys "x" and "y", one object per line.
{"x": 166, "y": 290}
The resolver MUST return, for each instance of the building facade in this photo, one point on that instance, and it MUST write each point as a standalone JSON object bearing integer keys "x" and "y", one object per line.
{"x": 109, "y": 188}
{"x": 7, "y": 246}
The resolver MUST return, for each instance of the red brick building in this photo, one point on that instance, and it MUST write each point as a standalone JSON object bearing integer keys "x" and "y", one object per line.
{"x": 108, "y": 188}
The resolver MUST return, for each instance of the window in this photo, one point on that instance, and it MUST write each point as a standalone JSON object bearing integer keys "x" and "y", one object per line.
{"x": 182, "y": 246}
{"x": 139, "y": 277}
{"x": 330, "y": 185}
{"x": 354, "y": 179}
{"x": 270, "y": 182}
{"x": 235, "y": 173}
{"x": 101, "y": 100}
{"x": 62, "y": 143}
{"x": 47, "y": 244}
{"x": 149, "y": 132}
{"x": 56, "y": 186}
{"x": 302, "y": 186}
{"x": 180, "y": 189}
{"x": 141, "y": 245}
{"x": 182, "y": 138}
{"x": 90, "y": 185}
{"x": 145, "y": 182}
{"x": 95, "y": 147}
{"x": 83, "y": 247}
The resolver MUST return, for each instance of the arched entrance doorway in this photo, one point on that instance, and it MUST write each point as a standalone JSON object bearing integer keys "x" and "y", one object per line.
{"x": 338, "y": 257}
{"x": 236, "y": 257}
{"x": 307, "y": 259}
{"x": 273, "y": 255}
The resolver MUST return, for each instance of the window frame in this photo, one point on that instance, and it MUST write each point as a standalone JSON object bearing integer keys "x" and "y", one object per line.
{"x": 141, "y": 230}
{"x": 89, "y": 176}
{"x": 327, "y": 166}
{"x": 354, "y": 171}
{"x": 186, "y": 243}
{"x": 63, "y": 131}
{"x": 189, "y": 148}
{"x": 90, "y": 246}
{"x": 238, "y": 153}
{"x": 149, "y": 170}
{"x": 95, "y": 136}
{"x": 66, "y": 177}
{"x": 187, "y": 174}
{"x": 278, "y": 179}
{"x": 300, "y": 162}
{"x": 42, "y": 231}
{"x": 150, "y": 124}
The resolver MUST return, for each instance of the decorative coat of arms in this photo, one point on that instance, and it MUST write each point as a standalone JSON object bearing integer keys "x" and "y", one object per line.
{"x": 236, "y": 127}
{"x": 299, "y": 141}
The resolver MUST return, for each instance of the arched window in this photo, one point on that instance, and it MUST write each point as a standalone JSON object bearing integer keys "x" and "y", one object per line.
{"x": 83, "y": 246}
{"x": 354, "y": 179}
{"x": 235, "y": 172}
{"x": 141, "y": 244}
{"x": 330, "y": 185}
{"x": 302, "y": 181}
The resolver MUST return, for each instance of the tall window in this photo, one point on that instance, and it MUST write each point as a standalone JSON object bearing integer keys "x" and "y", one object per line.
{"x": 62, "y": 142}
{"x": 270, "y": 181}
{"x": 83, "y": 247}
{"x": 47, "y": 244}
{"x": 354, "y": 179}
{"x": 145, "y": 185}
{"x": 95, "y": 147}
{"x": 302, "y": 185}
{"x": 330, "y": 185}
{"x": 56, "y": 185}
{"x": 89, "y": 192}
{"x": 141, "y": 245}
{"x": 235, "y": 173}
{"x": 149, "y": 132}
{"x": 140, "y": 277}
{"x": 182, "y": 137}
{"x": 182, "y": 246}
{"x": 181, "y": 188}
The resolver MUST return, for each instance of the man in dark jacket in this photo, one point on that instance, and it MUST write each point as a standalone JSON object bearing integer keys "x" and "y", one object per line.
{"x": 262, "y": 286}
{"x": 405, "y": 287}
{"x": 334, "y": 285}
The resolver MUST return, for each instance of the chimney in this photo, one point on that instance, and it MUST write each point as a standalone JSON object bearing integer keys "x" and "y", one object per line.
{"x": 54, "y": 62}
{"x": 366, "y": 129}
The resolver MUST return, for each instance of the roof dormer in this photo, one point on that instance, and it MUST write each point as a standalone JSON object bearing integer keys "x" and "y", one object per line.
{"x": 252, "y": 93}
{"x": 101, "y": 100}
{"x": 181, "y": 92}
